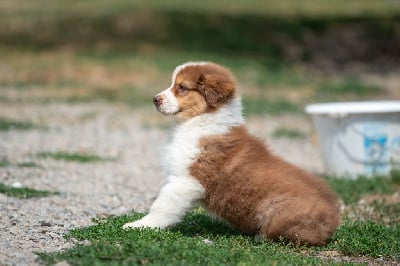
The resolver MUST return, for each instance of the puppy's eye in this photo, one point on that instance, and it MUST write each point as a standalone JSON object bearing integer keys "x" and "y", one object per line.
{"x": 182, "y": 87}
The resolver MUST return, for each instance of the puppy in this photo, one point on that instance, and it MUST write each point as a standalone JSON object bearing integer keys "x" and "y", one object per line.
{"x": 212, "y": 159}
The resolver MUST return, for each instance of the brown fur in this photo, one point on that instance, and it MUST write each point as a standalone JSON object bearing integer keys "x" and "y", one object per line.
{"x": 258, "y": 192}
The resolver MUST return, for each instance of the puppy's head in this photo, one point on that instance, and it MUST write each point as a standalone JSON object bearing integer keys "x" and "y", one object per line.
{"x": 197, "y": 88}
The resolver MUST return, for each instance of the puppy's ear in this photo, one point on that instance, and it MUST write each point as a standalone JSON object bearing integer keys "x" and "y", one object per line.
{"x": 216, "y": 89}
{"x": 201, "y": 81}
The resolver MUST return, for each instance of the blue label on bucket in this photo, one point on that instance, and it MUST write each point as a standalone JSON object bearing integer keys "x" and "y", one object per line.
{"x": 375, "y": 148}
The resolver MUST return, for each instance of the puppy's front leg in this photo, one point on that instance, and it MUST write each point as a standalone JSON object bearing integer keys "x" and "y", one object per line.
{"x": 173, "y": 201}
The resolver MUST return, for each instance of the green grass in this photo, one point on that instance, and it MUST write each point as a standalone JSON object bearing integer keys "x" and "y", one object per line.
{"x": 198, "y": 240}
{"x": 4, "y": 163}
{"x": 24, "y": 192}
{"x": 201, "y": 240}
{"x": 75, "y": 157}
{"x": 352, "y": 190}
{"x": 395, "y": 174}
{"x": 356, "y": 238}
{"x": 7, "y": 124}
{"x": 288, "y": 133}
{"x": 28, "y": 164}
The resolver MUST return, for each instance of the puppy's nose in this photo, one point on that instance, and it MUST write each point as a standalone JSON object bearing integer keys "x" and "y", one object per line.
{"x": 157, "y": 100}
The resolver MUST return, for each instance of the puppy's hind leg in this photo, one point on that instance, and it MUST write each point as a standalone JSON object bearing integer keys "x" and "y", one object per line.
{"x": 303, "y": 223}
{"x": 176, "y": 198}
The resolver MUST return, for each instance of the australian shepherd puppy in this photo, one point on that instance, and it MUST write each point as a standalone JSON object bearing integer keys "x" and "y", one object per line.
{"x": 212, "y": 159}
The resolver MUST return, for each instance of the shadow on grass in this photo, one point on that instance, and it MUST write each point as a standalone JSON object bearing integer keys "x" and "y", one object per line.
{"x": 198, "y": 223}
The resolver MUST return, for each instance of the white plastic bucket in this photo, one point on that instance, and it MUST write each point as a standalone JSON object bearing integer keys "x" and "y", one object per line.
{"x": 358, "y": 138}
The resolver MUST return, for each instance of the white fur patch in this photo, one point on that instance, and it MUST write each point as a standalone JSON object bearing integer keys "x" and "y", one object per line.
{"x": 170, "y": 104}
{"x": 183, "y": 148}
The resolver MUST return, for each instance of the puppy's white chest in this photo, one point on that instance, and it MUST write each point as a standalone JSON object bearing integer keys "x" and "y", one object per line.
{"x": 184, "y": 148}
{"x": 181, "y": 152}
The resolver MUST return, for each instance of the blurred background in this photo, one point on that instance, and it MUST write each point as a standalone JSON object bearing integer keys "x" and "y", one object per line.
{"x": 77, "y": 80}
{"x": 285, "y": 53}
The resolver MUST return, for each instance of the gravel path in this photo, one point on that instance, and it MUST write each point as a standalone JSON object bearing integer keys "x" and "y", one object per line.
{"x": 98, "y": 189}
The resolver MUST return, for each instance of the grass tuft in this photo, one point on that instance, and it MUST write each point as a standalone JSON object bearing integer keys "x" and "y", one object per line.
{"x": 28, "y": 164}
{"x": 76, "y": 157}
{"x": 4, "y": 163}
{"x": 24, "y": 192}
{"x": 7, "y": 124}
{"x": 288, "y": 133}
{"x": 356, "y": 238}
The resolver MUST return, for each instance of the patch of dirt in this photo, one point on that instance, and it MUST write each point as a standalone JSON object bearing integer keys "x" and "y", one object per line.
{"x": 335, "y": 256}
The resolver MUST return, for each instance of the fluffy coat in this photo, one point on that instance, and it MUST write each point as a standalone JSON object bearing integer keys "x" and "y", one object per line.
{"x": 213, "y": 160}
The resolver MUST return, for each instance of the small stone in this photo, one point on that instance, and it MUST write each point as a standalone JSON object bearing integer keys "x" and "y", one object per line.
{"x": 16, "y": 184}
{"x": 208, "y": 241}
{"x": 330, "y": 253}
{"x": 85, "y": 242}
{"x": 62, "y": 263}
{"x": 102, "y": 215}
{"x": 54, "y": 235}
{"x": 44, "y": 223}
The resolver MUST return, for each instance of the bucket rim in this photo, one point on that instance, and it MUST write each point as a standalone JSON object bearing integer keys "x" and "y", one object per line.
{"x": 362, "y": 107}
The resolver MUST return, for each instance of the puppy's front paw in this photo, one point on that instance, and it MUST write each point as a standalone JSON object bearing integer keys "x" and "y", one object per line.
{"x": 139, "y": 224}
